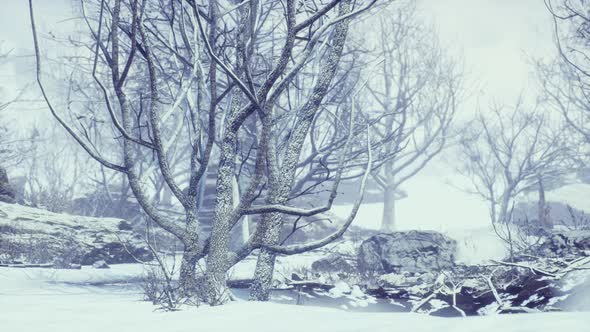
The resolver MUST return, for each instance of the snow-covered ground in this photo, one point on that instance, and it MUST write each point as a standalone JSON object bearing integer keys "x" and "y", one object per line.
{"x": 38, "y": 300}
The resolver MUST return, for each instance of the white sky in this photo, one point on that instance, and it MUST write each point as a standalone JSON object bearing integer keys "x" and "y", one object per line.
{"x": 497, "y": 38}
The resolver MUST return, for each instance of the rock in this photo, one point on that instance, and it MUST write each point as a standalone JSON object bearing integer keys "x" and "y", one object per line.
{"x": 117, "y": 253}
{"x": 332, "y": 263}
{"x": 411, "y": 251}
{"x": 39, "y": 236}
{"x": 100, "y": 265}
{"x": 296, "y": 277}
{"x": 559, "y": 244}
{"x": 7, "y": 193}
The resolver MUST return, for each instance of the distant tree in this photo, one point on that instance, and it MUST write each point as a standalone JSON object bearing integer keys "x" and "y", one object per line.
{"x": 510, "y": 150}
{"x": 412, "y": 102}
{"x": 566, "y": 79}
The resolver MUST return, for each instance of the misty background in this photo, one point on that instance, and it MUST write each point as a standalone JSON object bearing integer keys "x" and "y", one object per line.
{"x": 497, "y": 41}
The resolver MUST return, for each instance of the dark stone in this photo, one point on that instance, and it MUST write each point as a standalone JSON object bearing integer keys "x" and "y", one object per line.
{"x": 389, "y": 293}
{"x": 310, "y": 285}
{"x": 559, "y": 244}
{"x": 412, "y": 251}
{"x": 533, "y": 292}
{"x": 125, "y": 226}
{"x": 332, "y": 263}
{"x": 240, "y": 283}
{"x": 296, "y": 277}
{"x": 117, "y": 253}
{"x": 469, "y": 300}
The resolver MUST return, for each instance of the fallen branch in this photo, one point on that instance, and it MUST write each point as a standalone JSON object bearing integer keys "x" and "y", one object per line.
{"x": 533, "y": 269}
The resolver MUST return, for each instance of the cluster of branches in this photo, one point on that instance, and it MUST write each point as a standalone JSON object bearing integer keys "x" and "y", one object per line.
{"x": 11, "y": 148}
{"x": 511, "y": 150}
{"x": 177, "y": 88}
{"x": 413, "y": 101}
{"x": 565, "y": 80}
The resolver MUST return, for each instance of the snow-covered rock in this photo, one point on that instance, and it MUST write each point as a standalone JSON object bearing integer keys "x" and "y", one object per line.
{"x": 333, "y": 263}
{"x": 563, "y": 243}
{"x": 411, "y": 251}
{"x": 39, "y": 236}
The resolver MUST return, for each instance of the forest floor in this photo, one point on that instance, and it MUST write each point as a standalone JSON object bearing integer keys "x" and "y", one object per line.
{"x": 93, "y": 300}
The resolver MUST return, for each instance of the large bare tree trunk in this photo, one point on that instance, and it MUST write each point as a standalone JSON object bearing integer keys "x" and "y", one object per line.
{"x": 265, "y": 264}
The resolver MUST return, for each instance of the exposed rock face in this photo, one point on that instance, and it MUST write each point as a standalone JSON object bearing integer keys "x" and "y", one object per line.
{"x": 412, "y": 251}
{"x": 39, "y": 236}
{"x": 7, "y": 193}
{"x": 566, "y": 243}
{"x": 332, "y": 263}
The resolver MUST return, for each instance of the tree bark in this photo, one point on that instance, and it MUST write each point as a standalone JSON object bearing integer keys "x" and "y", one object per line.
{"x": 217, "y": 260}
{"x": 281, "y": 182}
{"x": 188, "y": 278}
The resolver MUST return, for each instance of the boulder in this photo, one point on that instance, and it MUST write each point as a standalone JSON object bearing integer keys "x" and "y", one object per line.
{"x": 559, "y": 244}
{"x": 39, "y": 236}
{"x": 411, "y": 251}
{"x": 7, "y": 193}
{"x": 332, "y": 263}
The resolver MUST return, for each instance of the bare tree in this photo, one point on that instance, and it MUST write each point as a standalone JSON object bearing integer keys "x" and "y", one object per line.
{"x": 509, "y": 150}
{"x": 11, "y": 146}
{"x": 179, "y": 81}
{"x": 413, "y": 101}
{"x": 565, "y": 80}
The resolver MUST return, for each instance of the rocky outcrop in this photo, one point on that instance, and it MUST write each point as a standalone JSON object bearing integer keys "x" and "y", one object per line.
{"x": 333, "y": 263}
{"x": 7, "y": 193}
{"x": 559, "y": 244}
{"x": 33, "y": 235}
{"x": 411, "y": 251}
